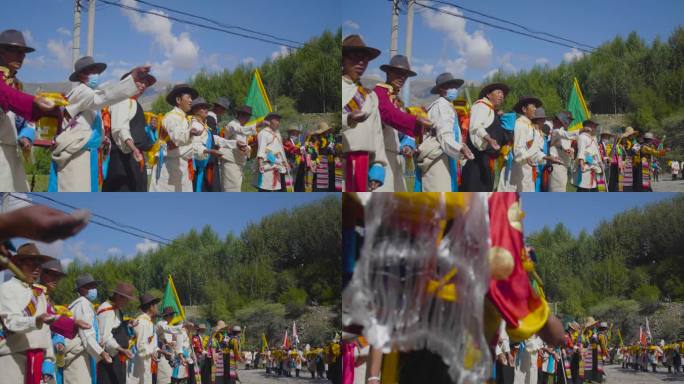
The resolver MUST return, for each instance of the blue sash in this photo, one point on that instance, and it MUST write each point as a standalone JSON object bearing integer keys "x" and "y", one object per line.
{"x": 201, "y": 165}
{"x": 453, "y": 164}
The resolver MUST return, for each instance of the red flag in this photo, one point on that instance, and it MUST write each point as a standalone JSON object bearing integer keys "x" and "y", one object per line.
{"x": 642, "y": 336}
{"x": 286, "y": 341}
{"x": 524, "y": 311}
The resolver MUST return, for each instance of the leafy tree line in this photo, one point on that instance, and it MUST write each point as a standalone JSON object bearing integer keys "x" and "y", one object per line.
{"x": 621, "y": 271}
{"x": 307, "y": 79}
{"x": 625, "y": 75}
{"x": 276, "y": 268}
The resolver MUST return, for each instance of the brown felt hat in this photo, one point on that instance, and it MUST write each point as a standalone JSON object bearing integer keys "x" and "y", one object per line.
{"x": 526, "y": 100}
{"x": 492, "y": 87}
{"x": 180, "y": 89}
{"x": 398, "y": 63}
{"x": 30, "y": 251}
{"x": 354, "y": 43}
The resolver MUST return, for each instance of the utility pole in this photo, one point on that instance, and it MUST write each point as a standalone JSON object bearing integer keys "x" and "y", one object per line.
{"x": 394, "y": 43}
{"x": 91, "y": 27}
{"x": 76, "y": 34}
{"x": 409, "y": 49}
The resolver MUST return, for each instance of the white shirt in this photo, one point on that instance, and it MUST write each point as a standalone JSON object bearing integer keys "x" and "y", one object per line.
{"x": 108, "y": 319}
{"x": 82, "y": 309}
{"x": 15, "y": 295}
{"x": 481, "y": 117}
{"x": 442, "y": 114}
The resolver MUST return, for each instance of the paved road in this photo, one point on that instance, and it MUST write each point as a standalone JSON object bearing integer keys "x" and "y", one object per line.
{"x": 666, "y": 184}
{"x": 258, "y": 376}
{"x": 616, "y": 375}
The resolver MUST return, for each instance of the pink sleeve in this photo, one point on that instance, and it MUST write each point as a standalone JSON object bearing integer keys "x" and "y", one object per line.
{"x": 19, "y": 102}
{"x": 393, "y": 116}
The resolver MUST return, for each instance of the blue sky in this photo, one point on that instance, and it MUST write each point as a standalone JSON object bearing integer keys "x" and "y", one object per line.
{"x": 473, "y": 50}
{"x": 167, "y": 215}
{"x": 579, "y": 211}
{"x": 176, "y": 50}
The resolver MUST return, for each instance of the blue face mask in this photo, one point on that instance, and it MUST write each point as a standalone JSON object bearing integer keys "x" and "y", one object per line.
{"x": 92, "y": 294}
{"x": 451, "y": 94}
{"x": 93, "y": 80}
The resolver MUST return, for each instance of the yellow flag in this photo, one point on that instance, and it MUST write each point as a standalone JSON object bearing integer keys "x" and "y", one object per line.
{"x": 264, "y": 344}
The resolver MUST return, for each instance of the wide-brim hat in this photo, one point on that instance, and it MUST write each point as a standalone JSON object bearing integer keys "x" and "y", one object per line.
{"x": 321, "y": 128}
{"x": 236, "y": 328}
{"x": 148, "y": 299}
{"x": 354, "y": 43}
{"x": 199, "y": 102}
{"x": 222, "y": 102}
{"x": 124, "y": 289}
{"x": 629, "y": 131}
{"x": 273, "y": 115}
{"x": 86, "y": 279}
{"x": 15, "y": 39}
{"x": 649, "y": 135}
{"x": 201, "y": 326}
{"x": 30, "y": 251}
{"x": 294, "y": 128}
{"x": 590, "y": 322}
{"x": 180, "y": 89}
{"x": 54, "y": 266}
{"x": 603, "y": 325}
{"x": 149, "y": 79}
{"x": 564, "y": 118}
{"x": 539, "y": 114}
{"x": 84, "y": 63}
{"x": 590, "y": 122}
{"x": 167, "y": 311}
{"x": 446, "y": 80}
{"x": 244, "y": 109}
{"x": 526, "y": 100}
{"x": 493, "y": 86}
{"x": 220, "y": 325}
{"x": 398, "y": 63}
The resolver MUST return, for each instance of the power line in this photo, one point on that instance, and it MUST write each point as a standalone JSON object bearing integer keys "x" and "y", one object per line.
{"x": 200, "y": 25}
{"x": 500, "y": 27}
{"x": 115, "y": 225}
{"x": 512, "y": 23}
{"x": 217, "y": 22}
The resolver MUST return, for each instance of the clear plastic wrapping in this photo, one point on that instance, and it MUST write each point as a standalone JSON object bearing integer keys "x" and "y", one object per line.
{"x": 422, "y": 277}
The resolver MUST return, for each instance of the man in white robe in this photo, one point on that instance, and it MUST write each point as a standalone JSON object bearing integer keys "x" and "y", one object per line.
{"x": 146, "y": 341}
{"x": 234, "y": 159}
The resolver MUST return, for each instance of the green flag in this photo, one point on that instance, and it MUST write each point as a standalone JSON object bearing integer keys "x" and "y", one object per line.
{"x": 172, "y": 300}
{"x": 257, "y": 98}
{"x": 577, "y": 106}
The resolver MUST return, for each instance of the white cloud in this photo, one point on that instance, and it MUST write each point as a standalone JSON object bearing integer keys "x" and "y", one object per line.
{"x": 28, "y": 36}
{"x": 490, "y": 73}
{"x": 542, "y": 61}
{"x": 573, "y": 55}
{"x": 66, "y": 262}
{"x": 35, "y": 62}
{"x": 505, "y": 62}
{"x": 163, "y": 70}
{"x": 61, "y": 52}
{"x": 248, "y": 60}
{"x": 79, "y": 250}
{"x": 282, "y": 52}
{"x": 425, "y": 69}
{"x": 64, "y": 31}
{"x": 180, "y": 51}
{"x": 146, "y": 246}
{"x": 351, "y": 24}
{"x": 473, "y": 47}
{"x": 54, "y": 249}
{"x": 212, "y": 62}
{"x": 455, "y": 67}
{"x": 114, "y": 252}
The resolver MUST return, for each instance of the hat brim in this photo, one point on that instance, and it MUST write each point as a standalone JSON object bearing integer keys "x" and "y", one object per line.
{"x": 42, "y": 258}
{"x": 386, "y": 68}
{"x": 526, "y": 101}
{"x": 151, "y": 302}
{"x": 22, "y": 47}
{"x": 453, "y": 83}
{"x": 60, "y": 273}
{"x": 370, "y": 51}
{"x": 205, "y": 105}
{"x": 494, "y": 86}
{"x": 220, "y": 105}
{"x": 171, "y": 97}
{"x": 243, "y": 112}
{"x": 273, "y": 116}
{"x": 100, "y": 67}
{"x": 129, "y": 297}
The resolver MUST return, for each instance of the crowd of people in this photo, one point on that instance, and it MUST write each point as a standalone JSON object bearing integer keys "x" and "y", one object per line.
{"x": 483, "y": 149}
{"x": 100, "y": 137}
{"x": 651, "y": 357}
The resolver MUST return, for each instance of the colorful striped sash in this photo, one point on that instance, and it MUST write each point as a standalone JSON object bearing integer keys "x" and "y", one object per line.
{"x": 357, "y": 101}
